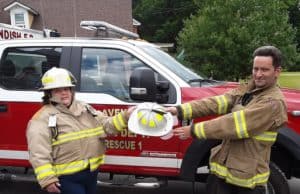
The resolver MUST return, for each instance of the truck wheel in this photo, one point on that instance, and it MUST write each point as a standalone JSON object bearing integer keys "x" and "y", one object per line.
{"x": 277, "y": 183}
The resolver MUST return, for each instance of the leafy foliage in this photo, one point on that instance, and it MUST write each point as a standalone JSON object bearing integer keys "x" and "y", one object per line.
{"x": 162, "y": 19}
{"x": 223, "y": 34}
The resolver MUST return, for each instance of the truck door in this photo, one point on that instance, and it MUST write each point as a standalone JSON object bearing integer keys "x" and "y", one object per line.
{"x": 21, "y": 69}
{"x": 104, "y": 83}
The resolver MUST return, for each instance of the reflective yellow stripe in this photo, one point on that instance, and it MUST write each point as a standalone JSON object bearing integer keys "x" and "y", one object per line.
{"x": 68, "y": 168}
{"x": 249, "y": 182}
{"x": 222, "y": 104}
{"x": 50, "y": 79}
{"x": 76, "y": 166}
{"x": 266, "y": 136}
{"x": 186, "y": 111}
{"x": 96, "y": 162}
{"x": 78, "y": 135}
{"x": 119, "y": 122}
{"x": 240, "y": 124}
{"x": 71, "y": 167}
{"x": 199, "y": 130}
{"x": 47, "y": 80}
{"x": 44, "y": 171}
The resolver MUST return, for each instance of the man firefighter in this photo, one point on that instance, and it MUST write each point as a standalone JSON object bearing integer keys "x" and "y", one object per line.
{"x": 250, "y": 118}
{"x": 65, "y": 137}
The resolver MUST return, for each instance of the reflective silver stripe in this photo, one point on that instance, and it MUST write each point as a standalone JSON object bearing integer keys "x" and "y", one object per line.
{"x": 249, "y": 182}
{"x": 199, "y": 130}
{"x": 186, "y": 111}
{"x": 266, "y": 136}
{"x": 240, "y": 124}
{"x": 222, "y": 104}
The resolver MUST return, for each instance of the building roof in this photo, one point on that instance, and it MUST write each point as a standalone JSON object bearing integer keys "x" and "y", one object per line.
{"x": 18, "y": 4}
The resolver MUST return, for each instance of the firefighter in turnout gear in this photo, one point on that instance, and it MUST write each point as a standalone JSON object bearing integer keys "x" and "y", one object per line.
{"x": 65, "y": 137}
{"x": 251, "y": 116}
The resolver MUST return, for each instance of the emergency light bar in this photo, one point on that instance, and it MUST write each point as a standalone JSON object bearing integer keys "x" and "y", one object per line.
{"x": 104, "y": 26}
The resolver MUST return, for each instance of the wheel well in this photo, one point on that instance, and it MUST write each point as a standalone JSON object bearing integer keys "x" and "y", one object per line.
{"x": 282, "y": 158}
{"x": 197, "y": 155}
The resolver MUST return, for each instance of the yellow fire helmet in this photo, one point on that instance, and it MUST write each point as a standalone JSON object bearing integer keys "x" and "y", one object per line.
{"x": 150, "y": 119}
{"x": 57, "y": 78}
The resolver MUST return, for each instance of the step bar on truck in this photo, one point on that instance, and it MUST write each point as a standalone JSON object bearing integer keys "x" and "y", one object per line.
{"x": 104, "y": 180}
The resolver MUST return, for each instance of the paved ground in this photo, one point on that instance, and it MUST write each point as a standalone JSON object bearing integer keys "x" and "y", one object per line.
{"x": 173, "y": 187}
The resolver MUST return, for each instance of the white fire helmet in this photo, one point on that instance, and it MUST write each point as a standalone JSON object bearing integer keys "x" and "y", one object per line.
{"x": 57, "y": 78}
{"x": 150, "y": 119}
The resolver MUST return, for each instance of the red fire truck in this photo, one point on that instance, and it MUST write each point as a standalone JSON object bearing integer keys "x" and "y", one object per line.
{"x": 103, "y": 68}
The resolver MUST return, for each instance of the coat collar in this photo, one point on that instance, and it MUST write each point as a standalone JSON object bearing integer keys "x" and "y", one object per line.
{"x": 251, "y": 87}
{"x": 76, "y": 108}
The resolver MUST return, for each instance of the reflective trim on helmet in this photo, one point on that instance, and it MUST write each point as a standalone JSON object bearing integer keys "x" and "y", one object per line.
{"x": 186, "y": 111}
{"x": 251, "y": 182}
{"x": 47, "y": 79}
{"x": 57, "y": 78}
{"x": 266, "y": 136}
{"x": 222, "y": 104}
{"x": 240, "y": 124}
{"x": 77, "y": 135}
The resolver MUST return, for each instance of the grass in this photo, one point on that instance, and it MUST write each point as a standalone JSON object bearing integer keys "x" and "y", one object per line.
{"x": 290, "y": 80}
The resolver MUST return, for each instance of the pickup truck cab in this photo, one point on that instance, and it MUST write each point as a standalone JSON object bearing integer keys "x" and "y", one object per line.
{"x": 113, "y": 74}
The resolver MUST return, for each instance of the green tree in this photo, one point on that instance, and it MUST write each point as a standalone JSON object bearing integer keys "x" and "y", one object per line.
{"x": 222, "y": 36}
{"x": 162, "y": 19}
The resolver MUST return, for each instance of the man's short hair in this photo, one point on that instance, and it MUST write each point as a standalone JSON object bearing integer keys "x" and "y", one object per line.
{"x": 271, "y": 51}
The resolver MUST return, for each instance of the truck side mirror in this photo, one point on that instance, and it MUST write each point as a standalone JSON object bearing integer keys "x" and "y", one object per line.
{"x": 142, "y": 84}
{"x": 145, "y": 87}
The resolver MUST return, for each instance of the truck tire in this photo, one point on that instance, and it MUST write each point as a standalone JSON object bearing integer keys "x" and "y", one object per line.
{"x": 277, "y": 183}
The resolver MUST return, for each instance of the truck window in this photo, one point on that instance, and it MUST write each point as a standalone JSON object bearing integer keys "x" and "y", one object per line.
{"x": 107, "y": 71}
{"x": 22, "y": 68}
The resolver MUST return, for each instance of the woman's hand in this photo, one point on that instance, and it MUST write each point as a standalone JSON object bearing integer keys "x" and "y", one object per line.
{"x": 53, "y": 188}
{"x": 129, "y": 111}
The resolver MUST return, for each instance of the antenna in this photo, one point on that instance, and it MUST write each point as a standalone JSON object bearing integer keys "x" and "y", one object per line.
{"x": 106, "y": 27}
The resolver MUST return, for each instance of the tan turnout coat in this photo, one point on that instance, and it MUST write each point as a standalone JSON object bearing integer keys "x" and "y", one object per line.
{"x": 247, "y": 131}
{"x": 77, "y": 146}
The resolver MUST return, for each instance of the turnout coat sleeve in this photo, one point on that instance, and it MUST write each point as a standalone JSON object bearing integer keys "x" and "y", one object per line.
{"x": 244, "y": 123}
{"x": 265, "y": 112}
{"x": 40, "y": 149}
{"x": 111, "y": 125}
{"x": 216, "y": 105}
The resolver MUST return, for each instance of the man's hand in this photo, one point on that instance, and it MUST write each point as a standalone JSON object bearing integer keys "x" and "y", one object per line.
{"x": 53, "y": 188}
{"x": 183, "y": 132}
{"x": 129, "y": 111}
{"x": 172, "y": 110}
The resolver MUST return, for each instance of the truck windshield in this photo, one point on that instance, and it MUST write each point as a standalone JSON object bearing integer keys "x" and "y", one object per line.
{"x": 168, "y": 61}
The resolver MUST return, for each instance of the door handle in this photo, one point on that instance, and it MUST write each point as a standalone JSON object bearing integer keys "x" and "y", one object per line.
{"x": 3, "y": 108}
